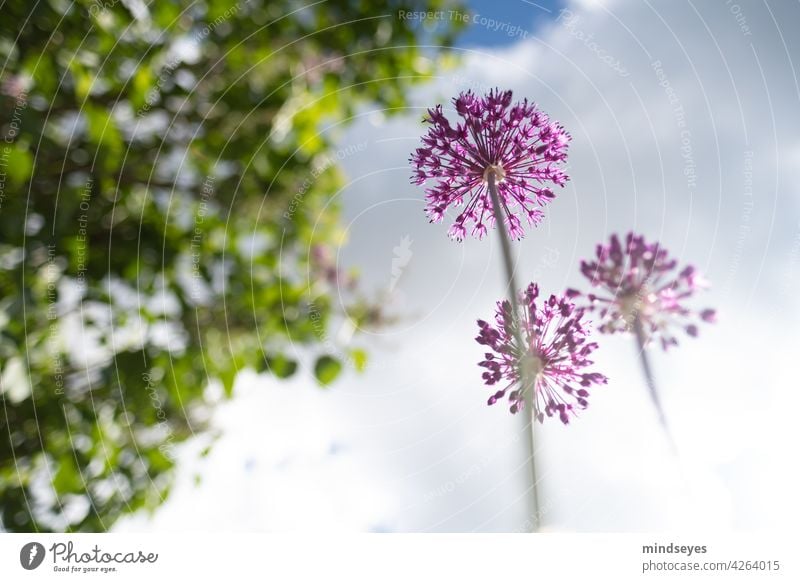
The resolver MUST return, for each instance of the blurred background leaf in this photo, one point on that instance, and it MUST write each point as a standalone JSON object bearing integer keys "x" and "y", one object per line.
{"x": 327, "y": 369}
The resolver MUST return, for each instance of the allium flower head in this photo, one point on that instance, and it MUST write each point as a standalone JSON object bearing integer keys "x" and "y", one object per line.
{"x": 516, "y": 143}
{"x": 640, "y": 281}
{"x": 548, "y": 368}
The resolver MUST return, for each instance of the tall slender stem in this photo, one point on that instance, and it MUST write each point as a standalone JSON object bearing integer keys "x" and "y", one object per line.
{"x": 513, "y": 289}
{"x": 641, "y": 339}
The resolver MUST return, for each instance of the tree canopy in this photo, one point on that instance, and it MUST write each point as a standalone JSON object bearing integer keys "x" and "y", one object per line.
{"x": 167, "y": 216}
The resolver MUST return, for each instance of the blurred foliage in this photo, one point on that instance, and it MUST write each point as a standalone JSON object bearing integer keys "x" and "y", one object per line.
{"x": 166, "y": 216}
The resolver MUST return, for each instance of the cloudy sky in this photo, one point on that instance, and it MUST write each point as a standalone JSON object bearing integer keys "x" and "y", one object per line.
{"x": 684, "y": 124}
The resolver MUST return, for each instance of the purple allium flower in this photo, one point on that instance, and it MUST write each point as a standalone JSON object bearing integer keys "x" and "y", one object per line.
{"x": 518, "y": 143}
{"x": 547, "y": 368}
{"x": 641, "y": 282}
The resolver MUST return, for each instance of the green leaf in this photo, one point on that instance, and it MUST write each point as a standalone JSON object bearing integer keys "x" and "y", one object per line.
{"x": 281, "y": 366}
{"x": 227, "y": 378}
{"x": 67, "y": 478}
{"x": 20, "y": 164}
{"x": 103, "y": 132}
{"x": 143, "y": 82}
{"x": 102, "y": 128}
{"x": 327, "y": 369}
{"x": 359, "y": 358}
{"x": 82, "y": 79}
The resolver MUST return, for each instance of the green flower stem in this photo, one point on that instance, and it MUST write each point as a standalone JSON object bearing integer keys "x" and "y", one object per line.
{"x": 513, "y": 289}
{"x": 641, "y": 340}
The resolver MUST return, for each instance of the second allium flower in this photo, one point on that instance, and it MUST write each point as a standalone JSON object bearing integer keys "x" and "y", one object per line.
{"x": 517, "y": 143}
{"x": 548, "y": 367}
{"x": 640, "y": 281}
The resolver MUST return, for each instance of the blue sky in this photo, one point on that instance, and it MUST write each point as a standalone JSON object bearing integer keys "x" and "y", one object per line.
{"x": 528, "y": 14}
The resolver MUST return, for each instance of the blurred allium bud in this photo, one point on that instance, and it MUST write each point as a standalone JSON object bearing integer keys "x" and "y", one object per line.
{"x": 324, "y": 267}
